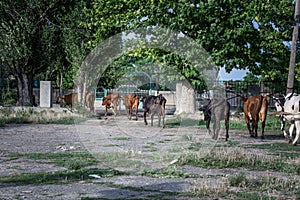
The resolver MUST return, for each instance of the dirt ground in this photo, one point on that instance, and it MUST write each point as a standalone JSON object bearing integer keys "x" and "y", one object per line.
{"x": 143, "y": 146}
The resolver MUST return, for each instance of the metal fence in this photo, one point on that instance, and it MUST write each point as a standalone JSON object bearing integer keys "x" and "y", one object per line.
{"x": 234, "y": 89}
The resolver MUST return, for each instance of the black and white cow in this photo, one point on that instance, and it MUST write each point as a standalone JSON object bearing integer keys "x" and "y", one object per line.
{"x": 154, "y": 105}
{"x": 289, "y": 109}
{"x": 216, "y": 110}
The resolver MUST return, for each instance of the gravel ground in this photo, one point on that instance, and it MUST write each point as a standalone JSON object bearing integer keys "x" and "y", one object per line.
{"x": 106, "y": 136}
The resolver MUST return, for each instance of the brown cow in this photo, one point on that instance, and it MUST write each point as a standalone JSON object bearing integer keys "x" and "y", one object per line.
{"x": 111, "y": 101}
{"x": 72, "y": 98}
{"x": 131, "y": 101}
{"x": 255, "y": 109}
{"x": 68, "y": 99}
{"x": 89, "y": 101}
{"x": 148, "y": 103}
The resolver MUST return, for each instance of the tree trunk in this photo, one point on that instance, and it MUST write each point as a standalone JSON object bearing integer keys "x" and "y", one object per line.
{"x": 290, "y": 82}
{"x": 60, "y": 89}
{"x": 25, "y": 89}
{"x": 185, "y": 98}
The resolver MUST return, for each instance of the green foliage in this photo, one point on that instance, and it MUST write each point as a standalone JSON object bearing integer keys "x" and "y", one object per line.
{"x": 237, "y": 34}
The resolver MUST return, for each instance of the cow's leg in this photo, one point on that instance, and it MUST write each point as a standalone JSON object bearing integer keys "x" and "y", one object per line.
{"x": 113, "y": 110}
{"x": 255, "y": 127}
{"x": 291, "y": 129}
{"x": 163, "y": 119}
{"x": 297, "y": 124}
{"x": 106, "y": 108}
{"x": 282, "y": 128}
{"x": 227, "y": 128}
{"x": 207, "y": 125}
{"x": 145, "y": 117}
{"x": 159, "y": 119}
{"x": 136, "y": 113}
{"x": 152, "y": 116}
{"x": 130, "y": 113}
{"x": 247, "y": 120}
{"x": 215, "y": 129}
{"x": 263, "y": 124}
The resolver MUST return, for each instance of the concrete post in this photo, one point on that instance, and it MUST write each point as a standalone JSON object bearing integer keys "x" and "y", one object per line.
{"x": 45, "y": 94}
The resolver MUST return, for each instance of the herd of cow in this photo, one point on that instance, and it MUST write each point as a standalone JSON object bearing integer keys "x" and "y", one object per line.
{"x": 154, "y": 105}
{"x": 255, "y": 110}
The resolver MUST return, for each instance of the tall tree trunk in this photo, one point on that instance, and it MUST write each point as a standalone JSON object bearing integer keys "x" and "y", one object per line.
{"x": 60, "y": 89}
{"x": 185, "y": 98}
{"x": 25, "y": 89}
{"x": 291, "y": 76}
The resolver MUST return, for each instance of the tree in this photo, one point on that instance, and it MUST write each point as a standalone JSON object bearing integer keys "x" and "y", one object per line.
{"x": 24, "y": 43}
{"x": 291, "y": 76}
{"x": 237, "y": 34}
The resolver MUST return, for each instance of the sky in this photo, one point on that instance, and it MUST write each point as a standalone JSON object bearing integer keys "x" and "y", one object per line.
{"x": 234, "y": 75}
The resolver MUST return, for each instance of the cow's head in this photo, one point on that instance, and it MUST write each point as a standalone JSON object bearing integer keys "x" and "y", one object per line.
{"x": 279, "y": 103}
{"x": 207, "y": 111}
{"x": 58, "y": 100}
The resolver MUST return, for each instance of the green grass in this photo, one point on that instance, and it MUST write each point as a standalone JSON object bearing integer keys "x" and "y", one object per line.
{"x": 58, "y": 177}
{"x": 169, "y": 172}
{"x": 121, "y": 138}
{"x": 272, "y": 124}
{"x": 184, "y": 122}
{"x": 71, "y": 161}
{"x": 265, "y": 183}
{"x": 221, "y": 158}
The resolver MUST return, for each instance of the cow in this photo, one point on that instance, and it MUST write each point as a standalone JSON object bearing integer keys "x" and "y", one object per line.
{"x": 255, "y": 110}
{"x": 156, "y": 108}
{"x": 131, "y": 101}
{"x": 72, "y": 98}
{"x": 289, "y": 110}
{"x": 111, "y": 101}
{"x": 89, "y": 101}
{"x": 150, "y": 107}
{"x": 217, "y": 110}
{"x": 68, "y": 99}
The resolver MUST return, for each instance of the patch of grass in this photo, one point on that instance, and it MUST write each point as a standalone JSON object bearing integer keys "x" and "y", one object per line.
{"x": 272, "y": 124}
{"x": 72, "y": 161}
{"x": 120, "y": 159}
{"x": 149, "y": 148}
{"x": 58, "y": 177}
{"x": 121, "y": 138}
{"x": 29, "y": 115}
{"x": 284, "y": 150}
{"x": 185, "y": 122}
{"x": 264, "y": 184}
{"x": 252, "y": 196}
{"x": 17, "y": 120}
{"x": 170, "y": 172}
{"x": 65, "y": 120}
{"x": 237, "y": 180}
{"x": 239, "y": 158}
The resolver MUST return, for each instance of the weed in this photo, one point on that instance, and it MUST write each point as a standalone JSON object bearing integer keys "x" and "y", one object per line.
{"x": 170, "y": 172}
{"x": 238, "y": 180}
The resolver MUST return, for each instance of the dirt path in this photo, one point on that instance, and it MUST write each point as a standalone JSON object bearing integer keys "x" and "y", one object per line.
{"x": 141, "y": 147}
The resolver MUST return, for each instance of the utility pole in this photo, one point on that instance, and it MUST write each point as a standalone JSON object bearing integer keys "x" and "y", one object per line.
{"x": 291, "y": 76}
